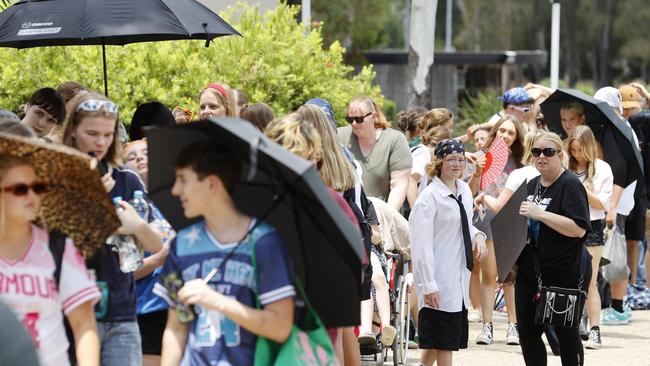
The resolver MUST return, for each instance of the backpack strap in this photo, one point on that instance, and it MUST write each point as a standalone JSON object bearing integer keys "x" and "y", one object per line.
{"x": 57, "y": 247}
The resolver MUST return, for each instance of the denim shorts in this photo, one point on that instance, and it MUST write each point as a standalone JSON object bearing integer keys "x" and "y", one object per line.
{"x": 120, "y": 343}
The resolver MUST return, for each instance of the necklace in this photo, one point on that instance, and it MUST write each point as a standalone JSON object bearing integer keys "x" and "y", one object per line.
{"x": 538, "y": 195}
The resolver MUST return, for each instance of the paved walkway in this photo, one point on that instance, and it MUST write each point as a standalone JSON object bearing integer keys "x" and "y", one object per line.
{"x": 627, "y": 345}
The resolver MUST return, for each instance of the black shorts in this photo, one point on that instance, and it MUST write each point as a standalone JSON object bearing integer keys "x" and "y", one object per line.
{"x": 442, "y": 330}
{"x": 596, "y": 237}
{"x": 635, "y": 221}
{"x": 152, "y": 326}
{"x": 366, "y": 285}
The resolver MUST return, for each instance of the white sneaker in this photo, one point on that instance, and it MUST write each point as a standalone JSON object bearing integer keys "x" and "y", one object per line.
{"x": 512, "y": 335}
{"x": 594, "y": 341}
{"x": 486, "y": 336}
{"x": 474, "y": 316}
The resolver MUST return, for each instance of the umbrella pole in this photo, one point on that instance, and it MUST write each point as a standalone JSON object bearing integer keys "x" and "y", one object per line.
{"x": 105, "y": 73}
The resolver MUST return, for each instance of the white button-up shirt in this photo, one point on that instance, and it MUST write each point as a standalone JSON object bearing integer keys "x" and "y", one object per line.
{"x": 437, "y": 246}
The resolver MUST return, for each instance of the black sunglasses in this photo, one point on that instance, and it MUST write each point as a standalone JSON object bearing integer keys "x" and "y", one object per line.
{"x": 357, "y": 119}
{"x": 548, "y": 152}
{"x": 21, "y": 189}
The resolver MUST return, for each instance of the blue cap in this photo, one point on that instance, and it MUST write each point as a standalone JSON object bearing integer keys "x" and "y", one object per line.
{"x": 326, "y": 107}
{"x": 138, "y": 194}
{"x": 117, "y": 199}
{"x": 516, "y": 96}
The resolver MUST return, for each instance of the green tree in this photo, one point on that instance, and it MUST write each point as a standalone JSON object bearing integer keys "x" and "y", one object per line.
{"x": 275, "y": 62}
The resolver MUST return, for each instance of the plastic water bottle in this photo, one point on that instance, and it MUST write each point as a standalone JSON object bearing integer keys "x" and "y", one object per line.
{"x": 140, "y": 205}
{"x": 127, "y": 249}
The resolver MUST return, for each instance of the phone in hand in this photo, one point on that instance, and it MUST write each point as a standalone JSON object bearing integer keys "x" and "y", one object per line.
{"x": 102, "y": 167}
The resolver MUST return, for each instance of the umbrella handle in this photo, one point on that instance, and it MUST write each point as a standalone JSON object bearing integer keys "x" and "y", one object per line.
{"x": 252, "y": 168}
{"x": 207, "y": 35}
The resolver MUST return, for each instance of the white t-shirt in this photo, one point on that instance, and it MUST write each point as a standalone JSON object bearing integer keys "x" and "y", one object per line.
{"x": 603, "y": 182}
{"x": 519, "y": 176}
{"x": 421, "y": 158}
{"x": 28, "y": 286}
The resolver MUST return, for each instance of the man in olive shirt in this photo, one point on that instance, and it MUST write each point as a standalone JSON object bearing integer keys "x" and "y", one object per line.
{"x": 383, "y": 152}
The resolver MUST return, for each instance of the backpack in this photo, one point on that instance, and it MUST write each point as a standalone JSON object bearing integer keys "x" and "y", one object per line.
{"x": 57, "y": 248}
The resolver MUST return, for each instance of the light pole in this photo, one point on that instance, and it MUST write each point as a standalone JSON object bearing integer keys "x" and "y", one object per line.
{"x": 555, "y": 44}
{"x": 449, "y": 47}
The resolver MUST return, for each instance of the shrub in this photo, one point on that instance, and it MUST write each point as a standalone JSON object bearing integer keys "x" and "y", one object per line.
{"x": 478, "y": 108}
{"x": 277, "y": 62}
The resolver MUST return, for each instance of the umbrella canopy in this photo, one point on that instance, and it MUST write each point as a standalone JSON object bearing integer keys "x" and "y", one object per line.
{"x": 614, "y": 136}
{"x": 76, "y": 202}
{"x": 284, "y": 190}
{"x": 38, "y": 23}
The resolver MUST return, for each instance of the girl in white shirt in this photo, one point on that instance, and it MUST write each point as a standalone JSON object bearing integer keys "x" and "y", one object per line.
{"x": 596, "y": 175}
{"x": 444, "y": 247}
{"x": 27, "y": 267}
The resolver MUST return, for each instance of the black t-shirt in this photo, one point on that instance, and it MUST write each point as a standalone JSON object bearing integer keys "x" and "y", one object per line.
{"x": 566, "y": 197}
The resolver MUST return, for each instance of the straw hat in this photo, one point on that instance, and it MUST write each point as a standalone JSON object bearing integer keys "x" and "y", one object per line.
{"x": 76, "y": 202}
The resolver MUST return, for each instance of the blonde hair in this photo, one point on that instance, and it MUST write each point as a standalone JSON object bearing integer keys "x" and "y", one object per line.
{"x": 434, "y": 118}
{"x": 380, "y": 122}
{"x": 584, "y": 136}
{"x": 432, "y": 136}
{"x": 529, "y": 141}
{"x": 336, "y": 171}
{"x": 434, "y": 168}
{"x": 573, "y": 106}
{"x": 224, "y": 95}
{"x": 297, "y": 136}
{"x": 114, "y": 153}
{"x": 556, "y": 140}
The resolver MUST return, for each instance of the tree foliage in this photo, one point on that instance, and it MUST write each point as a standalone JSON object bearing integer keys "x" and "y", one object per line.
{"x": 277, "y": 62}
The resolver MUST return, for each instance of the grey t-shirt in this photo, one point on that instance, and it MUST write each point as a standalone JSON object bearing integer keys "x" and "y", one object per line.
{"x": 390, "y": 153}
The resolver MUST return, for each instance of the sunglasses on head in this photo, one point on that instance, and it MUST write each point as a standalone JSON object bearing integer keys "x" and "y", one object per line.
{"x": 522, "y": 109}
{"x": 21, "y": 189}
{"x": 94, "y": 105}
{"x": 548, "y": 152}
{"x": 357, "y": 119}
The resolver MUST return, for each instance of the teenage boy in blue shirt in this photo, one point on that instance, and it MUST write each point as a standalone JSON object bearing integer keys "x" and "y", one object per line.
{"x": 225, "y": 321}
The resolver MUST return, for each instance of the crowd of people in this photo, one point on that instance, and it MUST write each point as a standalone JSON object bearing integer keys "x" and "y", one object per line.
{"x": 419, "y": 190}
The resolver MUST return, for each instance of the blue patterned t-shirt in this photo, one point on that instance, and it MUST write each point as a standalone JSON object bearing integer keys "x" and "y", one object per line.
{"x": 213, "y": 338}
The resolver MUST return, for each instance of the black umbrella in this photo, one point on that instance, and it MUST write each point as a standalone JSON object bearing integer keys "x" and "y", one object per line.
{"x": 284, "y": 190}
{"x": 614, "y": 136}
{"x": 39, "y": 23}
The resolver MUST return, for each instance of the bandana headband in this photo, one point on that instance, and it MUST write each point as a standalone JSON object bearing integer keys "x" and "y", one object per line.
{"x": 448, "y": 146}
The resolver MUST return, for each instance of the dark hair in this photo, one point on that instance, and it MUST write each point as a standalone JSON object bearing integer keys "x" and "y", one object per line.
{"x": 259, "y": 114}
{"x": 149, "y": 114}
{"x": 241, "y": 97}
{"x": 407, "y": 121}
{"x": 206, "y": 159}
{"x": 51, "y": 101}
{"x": 69, "y": 90}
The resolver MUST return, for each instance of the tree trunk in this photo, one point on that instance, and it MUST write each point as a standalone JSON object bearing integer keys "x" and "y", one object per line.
{"x": 572, "y": 54}
{"x": 604, "y": 76}
{"x": 421, "y": 48}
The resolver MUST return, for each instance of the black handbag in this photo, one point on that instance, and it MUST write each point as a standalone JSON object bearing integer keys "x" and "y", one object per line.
{"x": 557, "y": 306}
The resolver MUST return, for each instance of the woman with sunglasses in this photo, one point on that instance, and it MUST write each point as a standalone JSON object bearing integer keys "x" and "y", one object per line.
{"x": 27, "y": 273}
{"x": 511, "y": 132}
{"x": 382, "y": 151}
{"x": 558, "y": 211}
{"x": 598, "y": 179}
{"x": 445, "y": 246}
{"x": 93, "y": 129}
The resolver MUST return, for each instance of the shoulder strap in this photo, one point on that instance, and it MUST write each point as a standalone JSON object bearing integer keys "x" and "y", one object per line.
{"x": 57, "y": 247}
